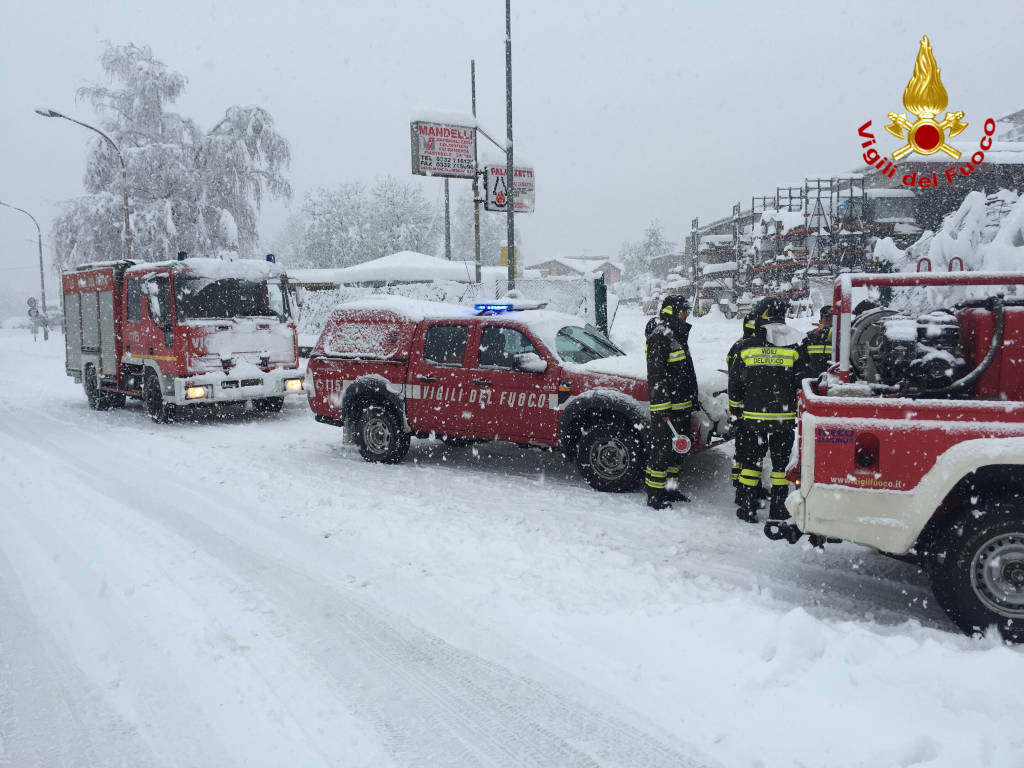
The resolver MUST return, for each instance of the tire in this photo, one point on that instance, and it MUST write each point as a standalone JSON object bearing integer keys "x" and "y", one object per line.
{"x": 611, "y": 457}
{"x": 93, "y": 395}
{"x": 380, "y": 436}
{"x": 153, "y": 397}
{"x": 268, "y": 404}
{"x": 977, "y": 571}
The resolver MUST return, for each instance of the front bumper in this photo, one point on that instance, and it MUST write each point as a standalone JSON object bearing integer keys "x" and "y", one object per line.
{"x": 234, "y": 387}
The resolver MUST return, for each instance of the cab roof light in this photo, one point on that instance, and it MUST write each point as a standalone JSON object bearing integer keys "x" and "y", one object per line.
{"x": 492, "y": 307}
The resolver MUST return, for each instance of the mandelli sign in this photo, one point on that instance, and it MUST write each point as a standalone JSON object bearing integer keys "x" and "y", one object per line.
{"x": 441, "y": 149}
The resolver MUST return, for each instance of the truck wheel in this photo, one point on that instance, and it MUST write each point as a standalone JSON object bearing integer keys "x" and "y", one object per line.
{"x": 610, "y": 457}
{"x": 978, "y": 572}
{"x": 93, "y": 396}
{"x": 158, "y": 411}
{"x": 268, "y": 404}
{"x": 380, "y": 436}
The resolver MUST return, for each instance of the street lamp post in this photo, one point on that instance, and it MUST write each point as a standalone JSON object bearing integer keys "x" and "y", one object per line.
{"x": 47, "y": 112}
{"x": 42, "y": 282}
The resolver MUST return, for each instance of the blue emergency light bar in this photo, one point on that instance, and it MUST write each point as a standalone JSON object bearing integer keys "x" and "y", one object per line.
{"x": 492, "y": 307}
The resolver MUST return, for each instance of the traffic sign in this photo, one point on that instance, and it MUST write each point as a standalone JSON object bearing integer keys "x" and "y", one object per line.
{"x": 33, "y": 312}
{"x": 31, "y": 301}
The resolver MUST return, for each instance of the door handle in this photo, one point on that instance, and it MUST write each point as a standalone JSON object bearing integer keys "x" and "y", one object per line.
{"x": 482, "y": 382}
{"x": 427, "y": 379}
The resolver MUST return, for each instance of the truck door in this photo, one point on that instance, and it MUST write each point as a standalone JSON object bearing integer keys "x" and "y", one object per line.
{"x": 437, "y": 395}
{"x": 512, "y": 403}
{"x": 156, "y": 328}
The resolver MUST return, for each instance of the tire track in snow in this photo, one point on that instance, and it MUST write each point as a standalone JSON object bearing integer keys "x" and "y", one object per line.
{"x": 434, "y": 704}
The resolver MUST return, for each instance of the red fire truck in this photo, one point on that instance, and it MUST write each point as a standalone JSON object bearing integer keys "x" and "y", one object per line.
{"x": 388, "y": 369}
{"x": 188, "y": 333}
{"x": 913, "y": 443}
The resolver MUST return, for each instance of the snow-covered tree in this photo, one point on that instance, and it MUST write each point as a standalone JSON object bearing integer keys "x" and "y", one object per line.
{"x": 188, "y": 189}
{"x": 402, "y": 219}
{"x": 351, "y": 223}
{"x": 638, "y": 257}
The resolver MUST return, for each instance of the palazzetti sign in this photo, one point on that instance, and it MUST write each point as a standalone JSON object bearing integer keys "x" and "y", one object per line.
{"x": 496, "y": 184}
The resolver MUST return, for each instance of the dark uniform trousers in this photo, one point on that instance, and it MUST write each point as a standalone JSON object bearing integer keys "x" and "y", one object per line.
{"x": 753, "y": 439}
{"x": 662, "y": 461}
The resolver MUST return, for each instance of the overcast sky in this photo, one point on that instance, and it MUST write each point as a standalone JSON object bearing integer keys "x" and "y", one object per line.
{"x": 628, "y": 111}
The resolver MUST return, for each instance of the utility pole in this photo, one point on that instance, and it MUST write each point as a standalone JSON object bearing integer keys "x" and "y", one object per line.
{"x": 476, "y": 178}
{"x": 42, "y": 282}
{"x": 447, "y": 221}
{"x": 46, "y": 112}
{"x": 510, "y": 198}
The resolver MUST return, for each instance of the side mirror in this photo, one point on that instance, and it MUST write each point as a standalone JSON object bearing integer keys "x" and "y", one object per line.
{"x": 531, "y": 362}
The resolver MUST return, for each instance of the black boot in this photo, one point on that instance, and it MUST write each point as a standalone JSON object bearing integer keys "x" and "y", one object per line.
{"x": 747, "y": 515}
{"x": 657, "y": 499}
{"x": 777, "y": 510}
{"x": 746, "y": 507}
{"x": 674, "y": 494}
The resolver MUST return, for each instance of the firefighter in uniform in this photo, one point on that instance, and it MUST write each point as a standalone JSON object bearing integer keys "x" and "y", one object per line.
{"x": 749, "y": 324}
{"x": 673, "y": 394}
{"x": 763, "y": 383}
{"x": 817, "y": 344}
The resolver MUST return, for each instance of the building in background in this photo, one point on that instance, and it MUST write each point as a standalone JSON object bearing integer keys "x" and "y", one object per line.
{"x": 559, "y": 267}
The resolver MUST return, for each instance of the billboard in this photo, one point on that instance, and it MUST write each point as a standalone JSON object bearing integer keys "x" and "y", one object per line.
{"x": 442, "y": 149}
{"x": 496, "y": 198}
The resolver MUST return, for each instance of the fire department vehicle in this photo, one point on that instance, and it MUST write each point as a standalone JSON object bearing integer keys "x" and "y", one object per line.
{"x": 913, "y": 443}
{"x": 180, "y": 334}
{"x": 388, "y": 369}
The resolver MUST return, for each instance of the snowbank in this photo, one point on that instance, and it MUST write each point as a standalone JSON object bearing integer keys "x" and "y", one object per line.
{"x": 983, "y": 234}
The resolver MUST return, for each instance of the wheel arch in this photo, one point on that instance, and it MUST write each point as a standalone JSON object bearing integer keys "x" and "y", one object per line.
{"x": 598, "y": 407}
{"x": 373, "y": 388}
{"x": 986, "y": 482}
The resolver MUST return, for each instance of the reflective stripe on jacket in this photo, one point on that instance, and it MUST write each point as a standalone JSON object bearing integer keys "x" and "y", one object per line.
{"x": 764, "y": 379}
{"x": 670, "y": 374}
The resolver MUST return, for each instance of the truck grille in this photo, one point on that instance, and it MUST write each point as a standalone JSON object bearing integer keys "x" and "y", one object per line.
{"x": 234, "y": 383}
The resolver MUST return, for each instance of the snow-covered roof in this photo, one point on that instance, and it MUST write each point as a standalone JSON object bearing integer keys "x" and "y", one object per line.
{"x": 715, "y": 240}
{"x": 725, "y": 266}
{"x": 790, "y": 219}
{"x": 884, "y": 192}
{"x": 544, "y": 323}
{"x": 583, "y": 266}
{"x": 215, "y": 269}
{"x": 401, "y": 267}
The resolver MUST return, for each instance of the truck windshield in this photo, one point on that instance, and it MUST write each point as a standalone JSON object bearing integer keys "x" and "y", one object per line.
{"x": 575, "y": 344}
{"x": 199, "y": 298}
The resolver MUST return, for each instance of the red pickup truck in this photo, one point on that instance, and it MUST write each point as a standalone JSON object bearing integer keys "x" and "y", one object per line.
{"x": 388, "y": 369}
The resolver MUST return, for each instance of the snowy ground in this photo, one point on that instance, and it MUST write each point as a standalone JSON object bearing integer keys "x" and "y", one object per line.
{"x": 251, "y": 593}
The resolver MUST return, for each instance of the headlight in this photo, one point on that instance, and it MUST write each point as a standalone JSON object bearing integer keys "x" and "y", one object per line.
{"x": 195, "y": 393}
{"x": 293, "y": 385}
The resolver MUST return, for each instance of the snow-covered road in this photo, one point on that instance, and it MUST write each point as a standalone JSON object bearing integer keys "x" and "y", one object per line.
{"x": 249, "y": 592}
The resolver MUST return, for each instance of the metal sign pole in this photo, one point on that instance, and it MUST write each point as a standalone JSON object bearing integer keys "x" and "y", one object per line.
{"x": 476, "y": 180}
{"x": 447, "y": 221}
{"x": 510, "y": 199}
{"x": 696, "y": 266}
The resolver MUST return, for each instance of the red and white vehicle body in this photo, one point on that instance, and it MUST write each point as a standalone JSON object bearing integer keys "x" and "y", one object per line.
{"x": 188, "y": 332}
{"x": 389, "y": 369}
{"x": 935, "y": 474}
